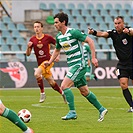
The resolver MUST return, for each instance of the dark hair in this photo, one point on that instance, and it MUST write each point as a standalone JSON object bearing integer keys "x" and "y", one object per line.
{"x": 120, "y": 18}
{"x": 39, "y": 23}
{"x": 62, "y": 17}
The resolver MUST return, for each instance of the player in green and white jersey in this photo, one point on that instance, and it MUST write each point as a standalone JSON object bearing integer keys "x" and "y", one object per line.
{"x": 71, "y": 41}
{"x": 87, "y": 55}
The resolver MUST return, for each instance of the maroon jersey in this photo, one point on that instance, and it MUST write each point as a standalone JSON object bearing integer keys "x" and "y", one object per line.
{"x": 41, "y": 47}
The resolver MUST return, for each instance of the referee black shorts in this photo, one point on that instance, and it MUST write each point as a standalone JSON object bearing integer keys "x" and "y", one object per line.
{"x": 121, "y": 73}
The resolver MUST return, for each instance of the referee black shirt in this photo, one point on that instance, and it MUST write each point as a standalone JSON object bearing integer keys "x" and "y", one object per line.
{"x": 123, "y": 46}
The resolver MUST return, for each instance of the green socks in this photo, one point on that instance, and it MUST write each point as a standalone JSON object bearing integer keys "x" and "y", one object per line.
{"x": 90, "y": 97}
{"x": 91, "y": 76}
{"x": 13, "y": 117}
{"x": 93, "y": 100}
{"x": 70, "y": 98}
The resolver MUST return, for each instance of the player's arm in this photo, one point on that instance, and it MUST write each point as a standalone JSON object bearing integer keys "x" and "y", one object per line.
{"x": 29, "y": 48}
{"x": 53, "y": 41}
{"x": 129, "y": 31}
{"x": 92, "y": 47}
{"x": 89, "y": 62}
{"x": 98, "y": 33}
{"x": 57, "y": 58}
{"x": 89, "y": 54}
{"x": 89, "y": 57}
{"x": 56, "y": 52}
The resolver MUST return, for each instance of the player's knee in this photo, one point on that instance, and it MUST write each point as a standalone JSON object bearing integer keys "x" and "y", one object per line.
{"x": 51, "y": 83}
{"x": 123, "y": 85}
{"x": 36, "y": 75}
{"x": 63, "y": 87}
{"x": 84, "y": 91}
{"x": 2, "y": 108}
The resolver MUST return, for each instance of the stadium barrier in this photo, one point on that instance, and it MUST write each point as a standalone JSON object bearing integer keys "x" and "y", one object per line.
{"x": 21, "y": 74}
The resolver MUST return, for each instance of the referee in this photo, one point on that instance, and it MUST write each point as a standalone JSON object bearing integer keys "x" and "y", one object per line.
{"x": 123, "y": 43}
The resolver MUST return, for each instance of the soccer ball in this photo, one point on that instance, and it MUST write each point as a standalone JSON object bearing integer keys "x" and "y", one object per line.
{"x": 24, "y": 115}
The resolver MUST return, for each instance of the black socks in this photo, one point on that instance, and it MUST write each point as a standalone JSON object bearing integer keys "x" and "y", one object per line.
{"x": 128, "y": 97}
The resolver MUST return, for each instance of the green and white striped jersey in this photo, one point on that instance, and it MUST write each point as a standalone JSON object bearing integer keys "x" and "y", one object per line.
{"x": 87, "y": 52}
{"x": 72, "y": 46}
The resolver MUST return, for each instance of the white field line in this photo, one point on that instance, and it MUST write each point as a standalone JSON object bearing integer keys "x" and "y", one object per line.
{"x": 48, "y": 106}
{"x": 30, "y": 88}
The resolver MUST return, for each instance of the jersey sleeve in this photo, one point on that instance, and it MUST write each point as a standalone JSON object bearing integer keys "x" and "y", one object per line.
{"x": 58, "y": 46}
{"x": 52, "y": 40}
{"x": 88, "y": 50}
{"x": 110, "y": 33}
{"x": 31, "y": 40}
{"x": 79, "y": 35}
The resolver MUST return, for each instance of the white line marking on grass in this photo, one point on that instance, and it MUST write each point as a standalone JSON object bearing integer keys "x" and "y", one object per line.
{"x": 40, "y": 105}
{"x": 116, "y": 108}
{"x": 108, "y": 97}
{"x": 45, "y": 106}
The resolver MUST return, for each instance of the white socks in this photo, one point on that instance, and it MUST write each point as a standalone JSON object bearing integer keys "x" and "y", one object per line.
{"x": 28, "y": 130}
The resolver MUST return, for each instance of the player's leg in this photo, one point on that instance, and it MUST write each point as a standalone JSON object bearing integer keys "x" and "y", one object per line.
{"x": 13, "y": 117}
{"x": 54, "y": 85}
{"x": 90, "y": 74}
{"x": 87, "y": 74}
{"x": 65, "y": 86}
{"x": 93, "y": 76}
{"x": 131, "y": 109}
{"x": 126, "y": 92}
{"x": 47, "y": 74}
{"x": 123, "y": 80}
{"x": 70, "y": 79}
{"x": 131, "y": 77}
{"x": 38, "y": 75}
{"x": 90, "y": 96}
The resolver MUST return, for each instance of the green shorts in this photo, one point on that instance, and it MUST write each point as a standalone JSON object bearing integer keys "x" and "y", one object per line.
{"x": 77, "y": 75}
{"x": 89, "y": 71}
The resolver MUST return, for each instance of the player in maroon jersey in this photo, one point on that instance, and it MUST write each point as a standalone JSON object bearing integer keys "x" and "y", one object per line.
{"x": 40, "y": 43}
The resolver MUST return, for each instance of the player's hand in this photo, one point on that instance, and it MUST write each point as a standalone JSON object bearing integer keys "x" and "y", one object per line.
{"x": 94, "y": 62}
{"x": 30, "y": 44}
{"x": 126, "y": 30}
{"x": 46, "y": 64}
{"x": 56, "y": 60}
{"x": 90, "y": 30}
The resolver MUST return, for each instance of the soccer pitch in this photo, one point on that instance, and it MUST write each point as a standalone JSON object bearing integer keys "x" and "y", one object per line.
{"x": 46, "y": 117}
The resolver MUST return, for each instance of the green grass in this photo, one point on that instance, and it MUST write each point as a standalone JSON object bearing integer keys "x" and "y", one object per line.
{"x": 46, "y": 117}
